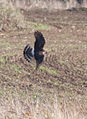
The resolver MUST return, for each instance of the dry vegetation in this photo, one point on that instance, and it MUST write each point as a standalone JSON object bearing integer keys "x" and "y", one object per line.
{"x": 58, "y": 90}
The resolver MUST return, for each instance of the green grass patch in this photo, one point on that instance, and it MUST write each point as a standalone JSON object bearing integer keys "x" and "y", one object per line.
{"x": 1, "y": 92}
{"x": 38, "y": 26}
{"x": 4, "y": 45}
{"x": 2, "y": 60}
{"x": 51, "y": 71}
{"x": 42, "y": 27}
{"x": 32, "y": 23}
{"x": 16, "y": 68}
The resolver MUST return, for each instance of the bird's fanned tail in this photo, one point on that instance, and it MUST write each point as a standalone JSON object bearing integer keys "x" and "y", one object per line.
{"x": 28, "y": 53}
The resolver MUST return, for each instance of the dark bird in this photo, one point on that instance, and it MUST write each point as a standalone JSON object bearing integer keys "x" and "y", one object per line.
{"x": 38, "y": 51}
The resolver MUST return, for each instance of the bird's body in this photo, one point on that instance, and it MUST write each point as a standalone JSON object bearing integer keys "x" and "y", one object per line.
{"x": 38, "y": 48}
{"x": 37, "y": 52}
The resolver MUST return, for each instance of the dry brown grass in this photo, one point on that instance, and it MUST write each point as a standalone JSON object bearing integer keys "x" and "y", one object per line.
{"x": 47, "y": 4}
{"x": 26, "y": 109}
{"x": 64, "y": 73}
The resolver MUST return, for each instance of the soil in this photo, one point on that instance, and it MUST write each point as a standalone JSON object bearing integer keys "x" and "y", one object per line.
{"x": 64, "y": 70}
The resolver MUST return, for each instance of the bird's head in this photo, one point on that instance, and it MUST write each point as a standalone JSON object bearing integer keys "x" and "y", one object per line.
{"x": 37, "y": 34}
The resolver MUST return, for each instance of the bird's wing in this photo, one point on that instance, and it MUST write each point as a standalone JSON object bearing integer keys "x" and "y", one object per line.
{"x": 28, "y": 53}
{"x": 39, "y": 42}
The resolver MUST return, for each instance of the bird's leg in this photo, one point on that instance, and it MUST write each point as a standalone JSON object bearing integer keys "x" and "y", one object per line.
{"x": 42, "y": 52}
{"x": 37, "y": 65}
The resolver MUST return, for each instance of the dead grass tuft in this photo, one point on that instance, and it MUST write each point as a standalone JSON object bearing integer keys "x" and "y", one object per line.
{"x": 27, "y": 109}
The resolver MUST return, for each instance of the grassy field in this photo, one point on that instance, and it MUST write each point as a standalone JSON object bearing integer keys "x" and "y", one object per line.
{"x": 58, "y": 89}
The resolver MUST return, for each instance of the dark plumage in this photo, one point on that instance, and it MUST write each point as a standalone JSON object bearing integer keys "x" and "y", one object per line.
{"x": 38, "y": 48}
{"x": 37, "y": 52}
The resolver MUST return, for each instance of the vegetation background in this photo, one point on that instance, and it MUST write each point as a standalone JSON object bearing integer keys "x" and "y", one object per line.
{"x": 58, "y": 90}
{"x": 49, "y": 4}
